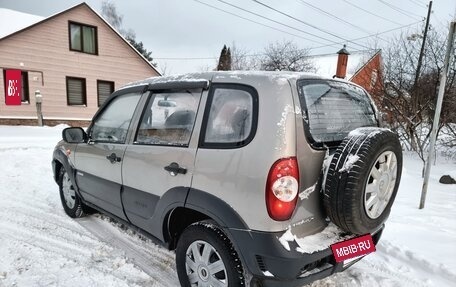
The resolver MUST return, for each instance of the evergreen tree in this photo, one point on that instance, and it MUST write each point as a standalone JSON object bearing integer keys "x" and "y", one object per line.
{"x": 224, "y": 63}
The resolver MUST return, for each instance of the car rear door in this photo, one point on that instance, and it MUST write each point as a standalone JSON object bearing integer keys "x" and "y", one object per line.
{"x": 160, "y": 160}
{"x": 98, "y": 162}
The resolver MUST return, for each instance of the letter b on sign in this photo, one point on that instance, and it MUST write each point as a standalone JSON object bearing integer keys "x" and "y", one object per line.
{"x": 13, "y": 87}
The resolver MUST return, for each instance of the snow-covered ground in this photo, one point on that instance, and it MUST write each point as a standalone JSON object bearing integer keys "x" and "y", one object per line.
{"x": 41, "y": 246}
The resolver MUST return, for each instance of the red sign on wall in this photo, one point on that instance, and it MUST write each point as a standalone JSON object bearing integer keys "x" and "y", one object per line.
{"x": 13, "y": 85}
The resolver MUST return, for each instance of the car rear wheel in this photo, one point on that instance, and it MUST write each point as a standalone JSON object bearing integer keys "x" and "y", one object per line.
{"x": 363, "y": 179}
{"x": 71, "y": 202}
{"x": 206, "y": 257}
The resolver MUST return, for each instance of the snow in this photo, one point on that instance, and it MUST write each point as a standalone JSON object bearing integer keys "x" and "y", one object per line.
{"x": 285, "y": 238}
{"x": 13, "y": 21}
{"x": 313, "y": 243}
{"x": 362, "y": 131}
{"x": 268, "y": 274}
{"x": 351, "y": 160}
{"x": 41, "y": 246}
{"x": 307, "y": 192}
{"x": 452, "y": 174}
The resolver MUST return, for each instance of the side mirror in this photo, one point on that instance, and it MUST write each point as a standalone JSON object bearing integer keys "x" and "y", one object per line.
{"x": 74, "y": 135}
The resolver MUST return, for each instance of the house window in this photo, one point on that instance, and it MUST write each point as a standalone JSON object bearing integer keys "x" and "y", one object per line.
{"x": 76, "y": 91}
{"x": 25, "y": 92}
{"x": 105, "y": 89}
{"x": 83, "y": 38}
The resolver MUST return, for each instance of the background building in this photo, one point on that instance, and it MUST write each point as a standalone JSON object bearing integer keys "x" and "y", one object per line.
{"x": 74, "y": 58}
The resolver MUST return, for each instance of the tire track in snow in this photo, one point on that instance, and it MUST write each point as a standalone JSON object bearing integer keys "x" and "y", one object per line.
{"x": 158, "y": 265}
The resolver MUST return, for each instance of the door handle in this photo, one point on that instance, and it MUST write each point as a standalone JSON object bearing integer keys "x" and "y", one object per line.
{"x": 113, "y": 158}
{"x": 174, "y": 168}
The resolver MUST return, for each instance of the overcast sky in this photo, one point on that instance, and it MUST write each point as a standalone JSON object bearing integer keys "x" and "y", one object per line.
{"x": 186, "y": 35}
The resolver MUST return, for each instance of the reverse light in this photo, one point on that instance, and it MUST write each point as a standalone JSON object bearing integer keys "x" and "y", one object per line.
{"x": 282, "y": 188}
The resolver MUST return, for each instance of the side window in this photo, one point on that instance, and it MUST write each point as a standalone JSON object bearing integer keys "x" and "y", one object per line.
{"x": 169, "y": 118}
{"x": 112, "y": 125}
{"x": 230, "y": 121}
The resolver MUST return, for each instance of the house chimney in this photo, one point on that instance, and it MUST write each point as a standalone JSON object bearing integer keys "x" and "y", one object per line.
{"x": 342, "y": 61}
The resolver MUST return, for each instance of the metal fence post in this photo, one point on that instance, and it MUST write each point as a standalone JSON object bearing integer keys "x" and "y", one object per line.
{"x": 38, "y": 100}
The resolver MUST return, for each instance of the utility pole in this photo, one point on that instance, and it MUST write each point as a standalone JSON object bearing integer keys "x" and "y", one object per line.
{"x": 438, "y": 108}
{"x": 420, "y": 58}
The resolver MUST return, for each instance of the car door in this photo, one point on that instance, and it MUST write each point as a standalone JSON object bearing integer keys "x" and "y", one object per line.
{"x": 98, "y": 162}
{"x": 161, "y": 158}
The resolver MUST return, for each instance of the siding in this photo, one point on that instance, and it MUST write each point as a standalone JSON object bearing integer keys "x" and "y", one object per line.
{"x": 43, "y": 50}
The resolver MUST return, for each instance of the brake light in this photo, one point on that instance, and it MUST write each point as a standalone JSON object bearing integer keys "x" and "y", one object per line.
{"x": 282, "y": 188}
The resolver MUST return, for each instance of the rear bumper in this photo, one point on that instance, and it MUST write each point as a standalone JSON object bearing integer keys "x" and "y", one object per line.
{"x": 272, "y": 265}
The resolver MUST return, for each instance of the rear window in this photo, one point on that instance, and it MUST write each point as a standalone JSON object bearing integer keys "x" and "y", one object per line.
{"x": 333, "y": 109}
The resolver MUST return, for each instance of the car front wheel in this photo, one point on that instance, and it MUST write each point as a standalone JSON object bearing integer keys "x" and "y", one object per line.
{"x": 71, "y": 202}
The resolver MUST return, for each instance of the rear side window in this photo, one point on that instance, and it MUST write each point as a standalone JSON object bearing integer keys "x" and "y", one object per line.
{"x": 334, "y": 108}
{"x": 231, "y": 116}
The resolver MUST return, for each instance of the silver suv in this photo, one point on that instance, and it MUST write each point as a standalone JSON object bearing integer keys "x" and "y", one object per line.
{"x": 249, "y": 176}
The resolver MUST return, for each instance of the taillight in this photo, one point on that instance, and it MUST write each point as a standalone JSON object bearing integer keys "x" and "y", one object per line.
{"x": 282, "y": 188}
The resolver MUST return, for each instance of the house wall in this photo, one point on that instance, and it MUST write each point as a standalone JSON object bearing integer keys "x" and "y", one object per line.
{"x": 370, "y": 78}
{"x": 43, "y": 51}
{"x": 370, "y": 75}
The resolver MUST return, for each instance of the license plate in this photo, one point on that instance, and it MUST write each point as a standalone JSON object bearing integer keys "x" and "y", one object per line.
{"x": 352, "y": 248}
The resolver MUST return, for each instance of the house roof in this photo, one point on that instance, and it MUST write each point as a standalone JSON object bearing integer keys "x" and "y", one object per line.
{"x": 16, "y": 21}
{"x": 326, "y": 65}
{"x": 23, "y": 21}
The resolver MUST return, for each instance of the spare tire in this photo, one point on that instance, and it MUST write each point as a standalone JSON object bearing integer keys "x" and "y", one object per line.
{"x": 363, "y": 179}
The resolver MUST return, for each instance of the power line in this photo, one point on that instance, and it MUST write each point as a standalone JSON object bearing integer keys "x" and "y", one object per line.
{"x": 374, "y": 35}
{"x": 305, "y": 23}
{"x": 333, "y": 16}
{"x": 400, "y": 10}
{"x": 340, "y": 19}
{"x": 277, "y": 22}
{"x": 260, "y": 54}
{"x": 253, "y": 21}
{"x": 370, "y": 13}
{"x": 418, "y": 3}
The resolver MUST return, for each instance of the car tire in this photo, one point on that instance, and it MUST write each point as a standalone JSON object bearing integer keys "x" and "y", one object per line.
{"x": 363, "y": 179}
{"x": 213, "y": 249}
{"x": 71, "y": 201}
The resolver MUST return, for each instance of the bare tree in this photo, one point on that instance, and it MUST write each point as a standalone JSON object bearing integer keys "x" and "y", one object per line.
{"x": 286, "y": 56}
{"x": 109, "y": 12}
{"x": 241, "y": 59}
{"x": 410, "y": 104}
